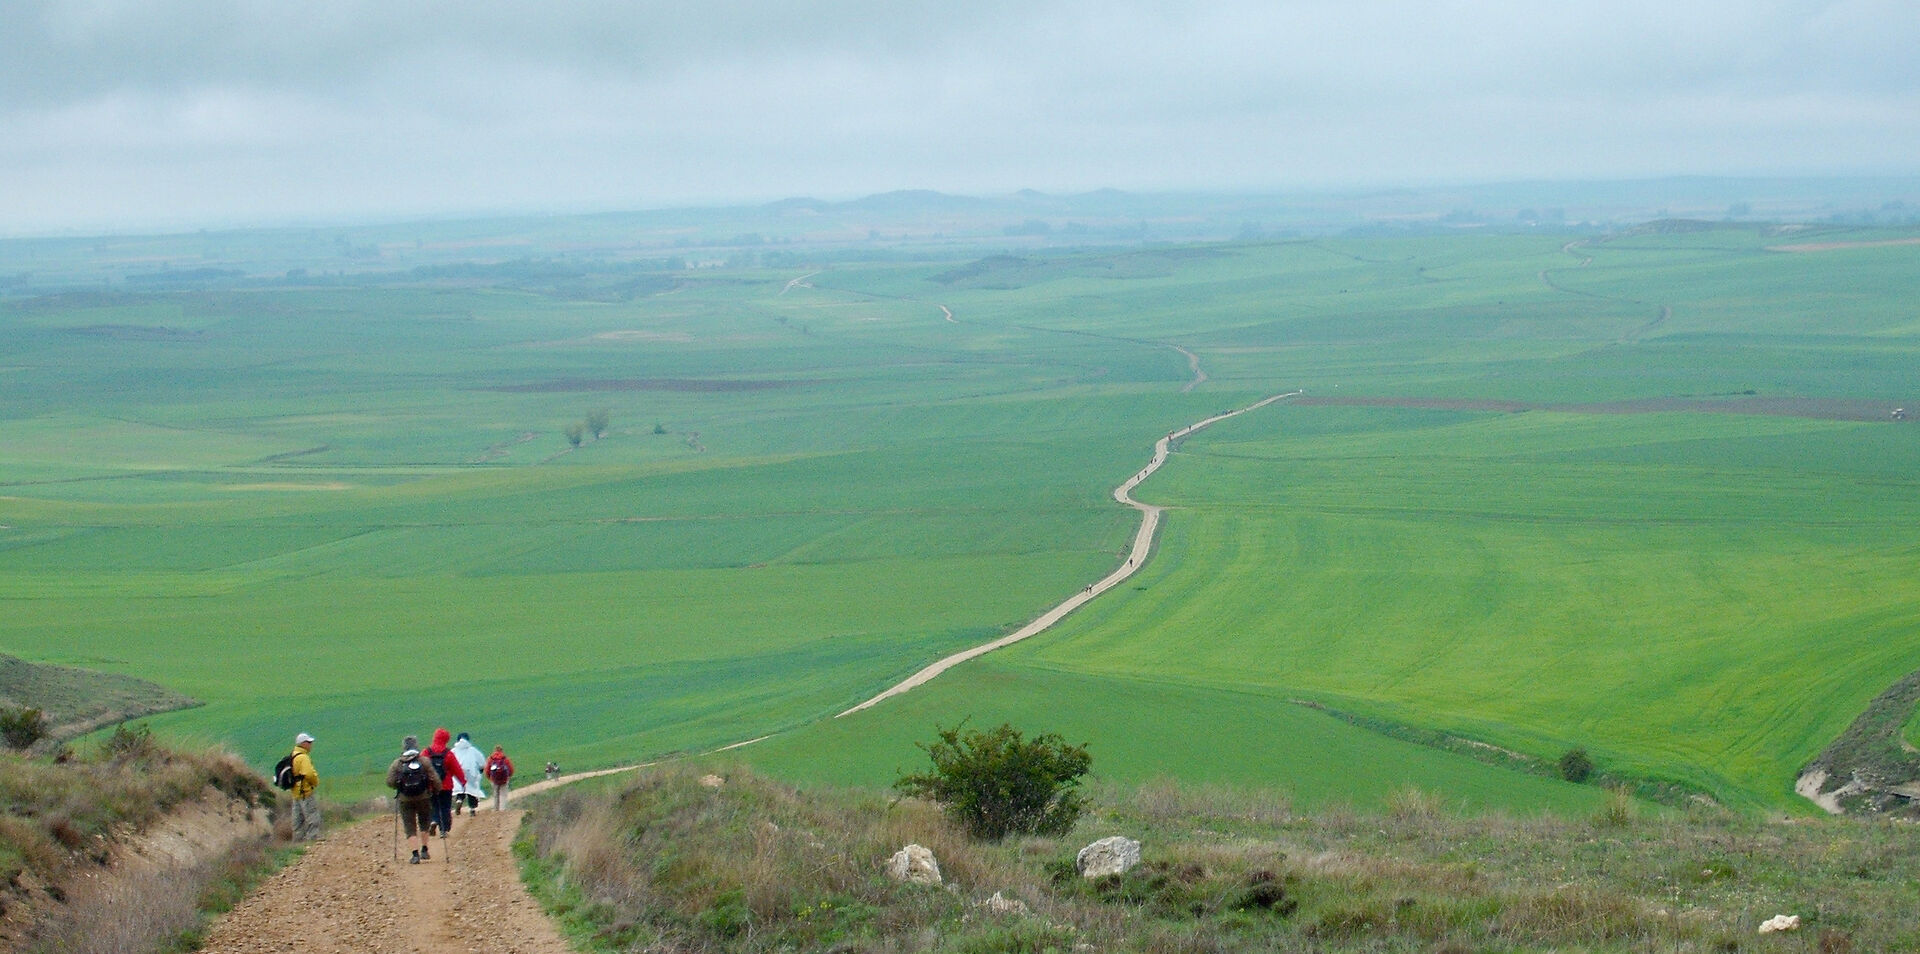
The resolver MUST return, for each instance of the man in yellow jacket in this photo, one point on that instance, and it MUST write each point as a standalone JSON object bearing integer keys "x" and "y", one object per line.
{"x": 306, "y": 809}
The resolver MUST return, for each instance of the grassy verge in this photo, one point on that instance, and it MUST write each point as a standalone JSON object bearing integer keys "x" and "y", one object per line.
{"x": 668, "y": 862}
{"x": 165, "y": 911}
{"x": 60, "y": 811}
{"x": 61, "y": 818}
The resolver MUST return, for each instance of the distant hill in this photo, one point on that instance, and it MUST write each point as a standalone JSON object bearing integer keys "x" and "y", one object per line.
{"x": 77, "y": 701}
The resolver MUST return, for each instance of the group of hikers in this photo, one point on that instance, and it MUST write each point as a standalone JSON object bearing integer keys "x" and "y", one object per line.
{"x": 430, "y": 785}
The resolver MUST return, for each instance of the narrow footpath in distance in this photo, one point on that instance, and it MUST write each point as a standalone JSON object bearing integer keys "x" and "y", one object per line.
{"x": 1136, "y": 557}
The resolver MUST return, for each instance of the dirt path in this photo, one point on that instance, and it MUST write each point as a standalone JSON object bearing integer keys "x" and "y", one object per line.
{"x": 354, "y": 893}
{"x": 1138, "y": 553}
{"x": 348, "y": 895}
{"x": 1193, "y": 363}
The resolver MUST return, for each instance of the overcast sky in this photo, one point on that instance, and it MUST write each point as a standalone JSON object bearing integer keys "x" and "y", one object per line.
{"x": 130, "y": 114}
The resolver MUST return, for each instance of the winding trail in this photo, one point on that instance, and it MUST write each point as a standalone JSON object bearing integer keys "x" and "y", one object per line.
{"x": 354, "y": 892}
{"x": 1137, "y": 556}
{"x": 800, "y": 282}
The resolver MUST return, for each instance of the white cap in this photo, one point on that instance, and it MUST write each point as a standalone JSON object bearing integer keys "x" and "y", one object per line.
{"x": 302, "y": 739}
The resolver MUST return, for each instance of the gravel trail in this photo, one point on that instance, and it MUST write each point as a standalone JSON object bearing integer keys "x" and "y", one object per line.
{"x": 347, "y": 895}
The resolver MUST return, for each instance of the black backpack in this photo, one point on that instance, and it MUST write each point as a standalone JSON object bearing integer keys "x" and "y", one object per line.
{"x": 283, "y": 777}
{"x": 439, "y": 760}
{"x": 414, "y": 780}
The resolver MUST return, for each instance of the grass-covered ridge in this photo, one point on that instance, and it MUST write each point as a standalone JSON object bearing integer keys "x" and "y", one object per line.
{"x": 75, "y": 701}
{"x": 665, "y": 860}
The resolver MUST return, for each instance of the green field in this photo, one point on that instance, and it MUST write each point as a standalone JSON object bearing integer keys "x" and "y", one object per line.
{"x": 1642, "y": 495}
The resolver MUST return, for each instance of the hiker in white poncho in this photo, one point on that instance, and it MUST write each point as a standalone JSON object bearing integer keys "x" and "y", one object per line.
{"x": 468, "y": 793}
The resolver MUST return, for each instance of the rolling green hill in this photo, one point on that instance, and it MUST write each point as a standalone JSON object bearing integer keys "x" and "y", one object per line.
{"x": 1642, "y": 495}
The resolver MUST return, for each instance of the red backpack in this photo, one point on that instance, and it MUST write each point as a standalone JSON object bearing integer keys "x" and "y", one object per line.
{"x": 497, "y": 769}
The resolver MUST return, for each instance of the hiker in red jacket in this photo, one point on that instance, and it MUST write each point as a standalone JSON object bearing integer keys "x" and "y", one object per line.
{"x": 448, "y": 768}
{"x": 499, "y": 772}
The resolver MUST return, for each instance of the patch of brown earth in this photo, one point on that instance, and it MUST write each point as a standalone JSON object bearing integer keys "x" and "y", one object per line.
{"x": 573, "y": 385}
{"x": 1832, "y": 246}
{"x": 1833, "y": 409}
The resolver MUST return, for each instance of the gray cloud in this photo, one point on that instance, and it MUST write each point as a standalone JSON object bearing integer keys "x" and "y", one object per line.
{"x": 123, "y": 112}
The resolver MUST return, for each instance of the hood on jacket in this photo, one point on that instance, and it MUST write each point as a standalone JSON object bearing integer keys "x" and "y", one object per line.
{"x": 440, "y": 737}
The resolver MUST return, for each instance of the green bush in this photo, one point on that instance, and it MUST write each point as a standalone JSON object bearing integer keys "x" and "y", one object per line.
{"x": 21, "y": 727}
{"x": 1575, "y": 766}
{"x": 996, "y": 783}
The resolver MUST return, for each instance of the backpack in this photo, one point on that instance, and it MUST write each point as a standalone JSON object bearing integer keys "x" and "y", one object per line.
{"x": 414, "y": 780}
{"x": 283, "y": 777}
{"x": 498, "y": 771}
{"x": 439, "y": 760}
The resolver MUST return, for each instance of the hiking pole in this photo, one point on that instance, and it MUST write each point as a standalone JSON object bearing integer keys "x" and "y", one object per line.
{"x": 396, "y": 837}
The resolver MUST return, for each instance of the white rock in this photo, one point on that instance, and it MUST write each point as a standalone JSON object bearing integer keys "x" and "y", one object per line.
{"x": 712, "y": 781}
{"x": 1779, "y": 923}
{"x": 1001, "y": 904}
{"x": 1108, "y": 856}
{"x": 915, "y": 864}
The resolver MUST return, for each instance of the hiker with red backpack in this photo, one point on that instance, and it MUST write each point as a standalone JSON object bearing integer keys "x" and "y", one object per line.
{"x": 449, "y": 770}
{"x": 499, "y": 772}
{"x": 414, "y": 782}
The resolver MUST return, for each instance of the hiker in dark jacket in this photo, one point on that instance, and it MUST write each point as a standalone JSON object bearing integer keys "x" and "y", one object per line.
{"x": 447, "y": 766}
{"x": 413, "y": 780}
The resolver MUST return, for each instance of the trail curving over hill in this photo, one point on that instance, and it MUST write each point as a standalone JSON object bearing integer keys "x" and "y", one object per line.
{"x": 1141, "y": 549}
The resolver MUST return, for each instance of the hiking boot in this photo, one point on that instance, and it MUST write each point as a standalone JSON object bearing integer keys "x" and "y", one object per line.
{"x": 423, "y": 854}
{"x": 415, "y": 859}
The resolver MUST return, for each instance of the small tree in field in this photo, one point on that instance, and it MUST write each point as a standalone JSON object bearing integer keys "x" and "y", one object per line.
{"x": 598, "y": 420}
{"x": 996, "y": 783}
{"x": 574, "y": 433}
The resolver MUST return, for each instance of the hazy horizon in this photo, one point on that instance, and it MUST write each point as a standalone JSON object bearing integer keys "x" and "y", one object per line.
{"x": 123, "y": 115}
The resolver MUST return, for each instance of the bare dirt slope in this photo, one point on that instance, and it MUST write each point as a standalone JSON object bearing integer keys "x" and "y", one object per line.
{"x": 348, "y": 895}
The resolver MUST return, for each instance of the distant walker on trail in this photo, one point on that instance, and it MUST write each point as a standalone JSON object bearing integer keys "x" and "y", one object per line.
{"x": 414, "y": 782}
{"x": 500, "y": 773}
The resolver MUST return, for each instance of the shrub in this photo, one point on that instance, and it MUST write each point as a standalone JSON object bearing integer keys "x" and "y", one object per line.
{"x": 130, "y": 745}
{"x": 1575, "y": 766}
{"x": 21, "y": 727}
{"x": 996, "y": 783}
